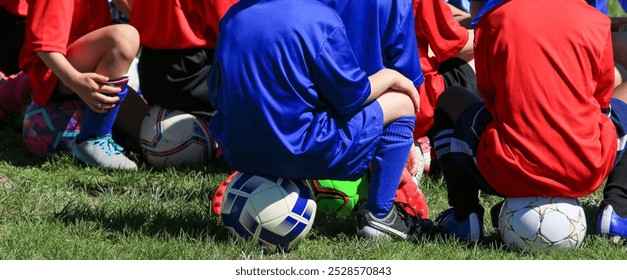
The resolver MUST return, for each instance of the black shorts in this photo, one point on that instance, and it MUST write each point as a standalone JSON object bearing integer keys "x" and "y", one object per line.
{"x": 176, "y": 79}
{"x": 12, "y": 29}
{"x": 58, "y": 97}
{"x": 457, "y": 72}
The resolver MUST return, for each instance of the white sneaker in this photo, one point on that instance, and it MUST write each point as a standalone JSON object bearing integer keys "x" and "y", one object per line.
{"x": 102, "y": 152}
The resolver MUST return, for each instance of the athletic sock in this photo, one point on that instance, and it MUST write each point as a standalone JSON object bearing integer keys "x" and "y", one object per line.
{"x": 615, "y": 191}
{"x": 463, "y": 195}
{"x": 388, "y": 164}
{"x": 95, "y": 124}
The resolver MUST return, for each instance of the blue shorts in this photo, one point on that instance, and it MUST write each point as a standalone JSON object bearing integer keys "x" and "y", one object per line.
{"x": 361, "y": 138}
{"x": 473, "y": 122}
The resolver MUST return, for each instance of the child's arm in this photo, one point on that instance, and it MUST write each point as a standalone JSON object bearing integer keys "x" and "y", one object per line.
{"x": 90, "y": 87}
{"x": 388, "y": 79}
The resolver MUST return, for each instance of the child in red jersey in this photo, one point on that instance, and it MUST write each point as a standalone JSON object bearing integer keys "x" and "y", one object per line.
{"x": 72, "y": 51}
{"x": 177, "y": 40}
{"x": 446, "y": 54}
{"x": 546, "y": 123}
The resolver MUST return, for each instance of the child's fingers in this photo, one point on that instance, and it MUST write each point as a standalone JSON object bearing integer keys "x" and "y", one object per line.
{"x": 415, "y": 98}
{"x": 101, "y": 79}
{"x": 107, "y": 99}
{"x": 109, "y": 90}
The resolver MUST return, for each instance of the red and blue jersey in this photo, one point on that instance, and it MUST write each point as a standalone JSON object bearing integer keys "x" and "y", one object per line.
{"x": 488, "y": 5}
{"x": 545, "y": 83}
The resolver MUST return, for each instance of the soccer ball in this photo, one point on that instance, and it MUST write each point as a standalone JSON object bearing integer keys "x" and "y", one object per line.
{"x": 542, "y": 223}
{"x": 276, "y": 212}
{"x": 51, "y": 129}
{"x": 335, "y": 196}
{"x": 174, "y": 138}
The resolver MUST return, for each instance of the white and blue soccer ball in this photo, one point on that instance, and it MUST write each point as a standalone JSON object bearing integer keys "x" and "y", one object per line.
{"x": 175, "y": 138}
{"x": 276, "y": 212}
{"x": 542, "y": 223}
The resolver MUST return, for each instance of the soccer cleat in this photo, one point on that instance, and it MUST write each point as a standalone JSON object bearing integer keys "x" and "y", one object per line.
{"x": 411, "y": 197}
{"x": 395, "y": 224}
{"x": 102, "y": 152}
{"x": 423, "y": 145}
{"x": 469, "y": 230}
{"x": 612, "y": 224}
{"x": 218, "y": 196}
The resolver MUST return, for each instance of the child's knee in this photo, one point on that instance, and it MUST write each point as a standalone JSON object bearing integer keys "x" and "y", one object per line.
{"x": 126, "y": 40}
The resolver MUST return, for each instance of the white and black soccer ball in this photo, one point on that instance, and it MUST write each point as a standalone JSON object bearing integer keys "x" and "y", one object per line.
{"x": 174, "y": 138}
{"x": 276, "y": 212}
{"x": 542, "y": 223}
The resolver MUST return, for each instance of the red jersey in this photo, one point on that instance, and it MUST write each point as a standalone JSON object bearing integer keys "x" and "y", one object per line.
{"x": 16, "y": 7}
{"x": 436, "y": 28}
{"x": 180, "y": 24}
{"x": 51, "y": 26}
{"x": 545, "y": 73}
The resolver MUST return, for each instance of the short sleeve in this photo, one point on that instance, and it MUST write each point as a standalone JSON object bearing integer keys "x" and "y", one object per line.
{"x": 403, "y": 52}
{"x": 337, "y": 75}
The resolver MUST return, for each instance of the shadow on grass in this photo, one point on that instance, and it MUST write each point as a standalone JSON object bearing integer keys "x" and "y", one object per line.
{"x": 13, "y": 150}
{"x": 332, "y": 225}
{"x": 195, "y": 223}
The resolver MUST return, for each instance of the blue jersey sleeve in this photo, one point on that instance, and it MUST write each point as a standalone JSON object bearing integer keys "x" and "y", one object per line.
{"x": 403, "y": 52}
{"x": 338, "y": 77}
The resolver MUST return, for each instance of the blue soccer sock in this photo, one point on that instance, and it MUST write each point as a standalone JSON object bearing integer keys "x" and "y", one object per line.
{"x": 388, "y": 164}
{"x": 95, "y": 124}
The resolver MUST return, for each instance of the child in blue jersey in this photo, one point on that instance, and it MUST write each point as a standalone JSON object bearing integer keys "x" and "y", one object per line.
{"x": 292, "y": 101}
{"x": 388, "y": 42}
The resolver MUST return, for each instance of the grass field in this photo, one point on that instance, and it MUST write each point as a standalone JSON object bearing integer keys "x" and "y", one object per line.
{"x": 54, "y": 209}
{"x": 58, "y": 209}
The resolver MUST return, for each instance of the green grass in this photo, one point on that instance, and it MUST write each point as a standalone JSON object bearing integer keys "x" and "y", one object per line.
{"x": 57, "y": 209}
{"x": 53, "y": 209}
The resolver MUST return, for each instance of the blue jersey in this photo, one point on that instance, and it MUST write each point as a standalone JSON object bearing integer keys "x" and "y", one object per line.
{"x": 623, "y": 3}
{"x": 600, "y": 5}
{"x": 488, "y": 5}
{"x": 382, "y": 34}
{"x": 285, "y": 81}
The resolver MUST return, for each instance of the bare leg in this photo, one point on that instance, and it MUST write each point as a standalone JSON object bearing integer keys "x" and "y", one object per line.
{"x": 110, "y": 52}
{"x": 394, "y": 106}
{"x": 620, "y": 92}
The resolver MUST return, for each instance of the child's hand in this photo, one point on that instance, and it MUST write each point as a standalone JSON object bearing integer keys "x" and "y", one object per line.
{"x": 387, "y": 79}
{"x": 407, "y": 86}
{"x": 92, "y": 88}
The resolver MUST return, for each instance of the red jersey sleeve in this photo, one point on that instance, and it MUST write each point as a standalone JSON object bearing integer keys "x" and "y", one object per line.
{"x": 51, "y": 22}
{"x": 435, "y": 23}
